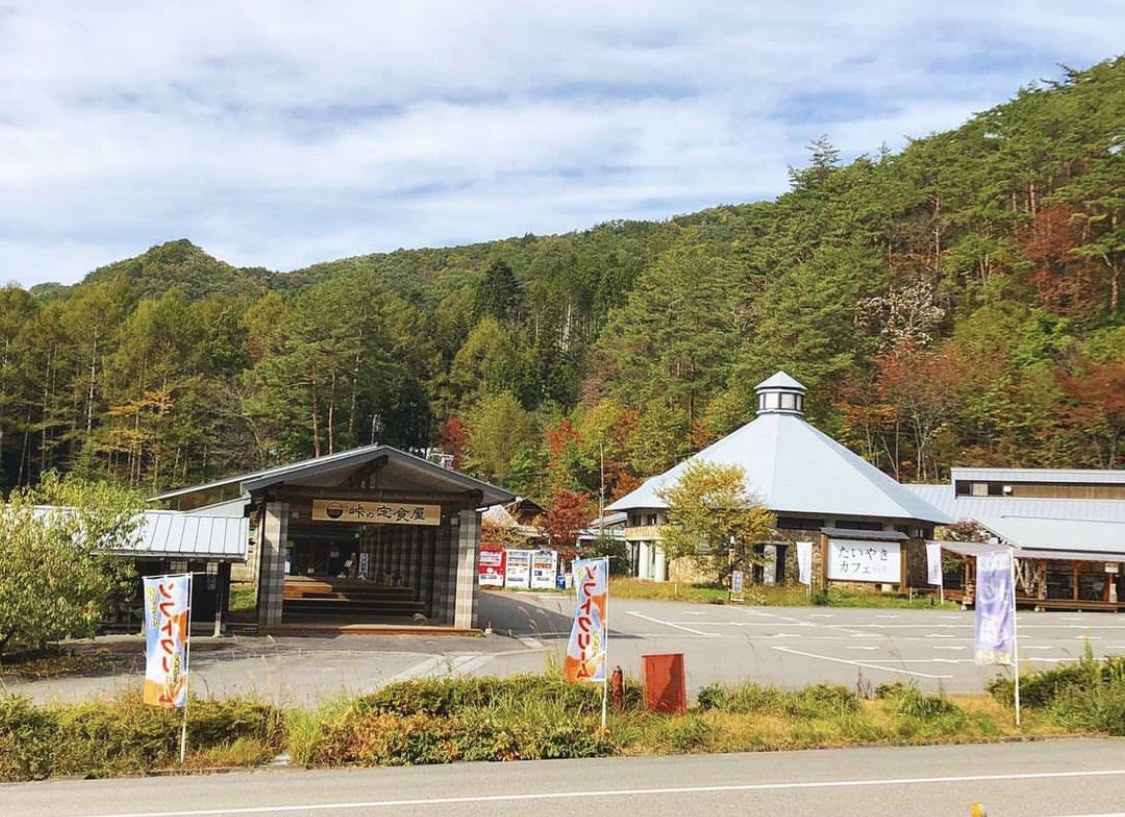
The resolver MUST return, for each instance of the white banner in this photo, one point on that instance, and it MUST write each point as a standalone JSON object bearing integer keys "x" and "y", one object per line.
{"x": 995, "y": 603}
{"x": 933, "y": 564}
{"x": 804, "y": 562}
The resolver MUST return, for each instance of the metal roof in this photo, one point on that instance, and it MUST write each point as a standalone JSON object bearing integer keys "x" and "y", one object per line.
{"x": 1058, "y": 526}
{"x": 192, "y": 536}
{"x": 423, "y": 473}
{"x": 180, "y": 535}
{"x": 780, "y": 380}
{"x": 793, "y": 467}
{"x": 981, "y": 508}
{"x": 1081, "y": 476}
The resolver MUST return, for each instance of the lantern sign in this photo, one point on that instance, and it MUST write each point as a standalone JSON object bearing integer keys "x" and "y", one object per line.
{"x": 586, "y": 650}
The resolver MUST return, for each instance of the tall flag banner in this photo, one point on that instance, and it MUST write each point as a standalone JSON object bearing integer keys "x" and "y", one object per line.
{"x": 586, "y": 650}
{"x": 995, "y": 620}
{"x": 167, "y": 621}
{"x": 804, "y": 562}
{"x": 933, "y": 564}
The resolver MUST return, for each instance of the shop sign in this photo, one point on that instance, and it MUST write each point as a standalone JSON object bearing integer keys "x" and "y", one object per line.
{"x": 856, "y": 561}
{"x": 379, "y": 513}
{"x": 1111, "y": 567}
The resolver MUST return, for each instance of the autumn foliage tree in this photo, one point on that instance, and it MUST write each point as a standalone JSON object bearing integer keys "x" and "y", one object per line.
{"x": 568, "y": 514}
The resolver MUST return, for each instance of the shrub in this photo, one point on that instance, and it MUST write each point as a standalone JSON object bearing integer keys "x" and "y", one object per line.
{"x": 27, "y": 740}
{"x": 813, "y": 701}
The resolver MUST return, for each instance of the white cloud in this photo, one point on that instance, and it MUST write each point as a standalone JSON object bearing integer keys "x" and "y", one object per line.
{"x": 283, "y": 133}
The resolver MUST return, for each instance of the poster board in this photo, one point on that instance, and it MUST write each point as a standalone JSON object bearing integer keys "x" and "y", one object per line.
{"x": 856, "y": 560}
{"x": 490, "y": 567}
{"x": 517, "y": 571}
{"x": 544, "y": 569}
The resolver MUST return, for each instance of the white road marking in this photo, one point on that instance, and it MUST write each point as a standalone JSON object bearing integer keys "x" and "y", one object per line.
{"x": 884, "y": 615}
{"x": 420, "y": 670}
{"x": 867, "y": 664}
{"x": 940, "y": 635}
{"x": 948, "y": 647}
{"x": 692, "y": 613}
{"x": 823, "y": 615}
{"x": 533, "y": 643}
{"x": 638, "y": 792}
{"x": 671, "y": 624}
{"x": 862, "y": 647}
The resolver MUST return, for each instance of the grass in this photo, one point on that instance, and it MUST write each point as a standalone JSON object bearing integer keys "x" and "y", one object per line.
{"x": 540, "y": 717}
{"x": 769, "y": 596}
{"x": 243, "y": 597}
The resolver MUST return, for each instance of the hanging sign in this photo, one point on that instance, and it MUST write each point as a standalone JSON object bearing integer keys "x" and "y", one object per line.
{"x": 167, "y": 621}
{"x": 379, "y": 513}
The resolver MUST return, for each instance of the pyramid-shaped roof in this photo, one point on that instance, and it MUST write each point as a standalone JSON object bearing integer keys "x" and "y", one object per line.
{"x": 793, "y": 467}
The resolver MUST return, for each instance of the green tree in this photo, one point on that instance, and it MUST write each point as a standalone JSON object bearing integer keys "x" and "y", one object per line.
{"x": 713, "y": 519}
{"x": 57, "y": 569}
{"x": 498, "y": 427}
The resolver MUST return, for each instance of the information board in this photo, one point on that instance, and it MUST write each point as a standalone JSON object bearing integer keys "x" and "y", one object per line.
{"x": 854, "y": 560}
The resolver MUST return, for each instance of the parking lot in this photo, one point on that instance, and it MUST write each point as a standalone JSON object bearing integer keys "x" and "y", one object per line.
{"x": 786, "y": 646}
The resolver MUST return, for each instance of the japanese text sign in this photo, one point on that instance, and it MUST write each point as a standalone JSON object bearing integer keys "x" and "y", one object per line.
{"x": 995, "y": 614}
{"x": 167, "y": 621}
{"x": 586, "y": 650}
{"x": 378, "y": 513}
{"x": 864, "y": 561}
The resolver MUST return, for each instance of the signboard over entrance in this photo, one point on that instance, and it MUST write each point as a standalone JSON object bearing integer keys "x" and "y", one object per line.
{"x": 379, "y": 513}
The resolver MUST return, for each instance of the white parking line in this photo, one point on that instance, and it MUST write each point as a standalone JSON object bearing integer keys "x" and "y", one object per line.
{"x": 867, "y": 664}
{"x": 671, "y": 624}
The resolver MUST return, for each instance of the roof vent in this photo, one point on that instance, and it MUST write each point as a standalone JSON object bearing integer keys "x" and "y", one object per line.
{"x": 780, "y": 394}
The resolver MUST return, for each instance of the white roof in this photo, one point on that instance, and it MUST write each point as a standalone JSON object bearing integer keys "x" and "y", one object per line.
{"x": 1039, "y": 528}
{"x": 181, "y": 535}
{"x": 792, "y": 467}
{"x": 1080, "y": 476}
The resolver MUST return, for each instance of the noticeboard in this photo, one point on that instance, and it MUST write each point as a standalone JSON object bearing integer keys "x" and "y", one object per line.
{"x": 854, "y": 560}
{"x": 380, "y": 513}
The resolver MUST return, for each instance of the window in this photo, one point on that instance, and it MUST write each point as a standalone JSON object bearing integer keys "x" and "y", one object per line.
{"x": 799, "y": 523}
{"x": 860, "y": 525}
{"x": 980, "y": 489}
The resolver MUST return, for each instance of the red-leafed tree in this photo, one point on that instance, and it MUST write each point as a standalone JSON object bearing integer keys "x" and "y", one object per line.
{"x": 1062, "y": 279}
{"x": 569, "y": 512}
{"x": 1096, "y": 410}
{"x": 453, "y": 437}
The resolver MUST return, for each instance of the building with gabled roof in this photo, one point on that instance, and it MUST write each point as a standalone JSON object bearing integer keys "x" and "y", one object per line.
{"x": 364, "y": 534}
{"x": 810, "y": 481}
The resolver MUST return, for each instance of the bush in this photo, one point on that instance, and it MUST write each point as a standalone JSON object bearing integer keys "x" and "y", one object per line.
{"x": 1042, "y": 688}
{"x": 376, "y": 738}
{"x": 27, "y": 740}
{"x": 911, "y": 702}
{"x": 812, "y": 701}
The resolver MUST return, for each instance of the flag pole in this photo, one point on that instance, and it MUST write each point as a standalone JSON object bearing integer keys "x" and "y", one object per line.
{"x": 605, "y": 647}
{"x": 187, "y": 672}
{"x": 1015, "y": 638}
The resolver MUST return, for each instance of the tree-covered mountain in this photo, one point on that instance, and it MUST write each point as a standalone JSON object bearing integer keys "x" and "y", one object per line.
{"x": 958, "y": 302}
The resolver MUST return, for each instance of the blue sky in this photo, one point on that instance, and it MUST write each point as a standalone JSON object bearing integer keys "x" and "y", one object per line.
{"x": 281, "y": 133}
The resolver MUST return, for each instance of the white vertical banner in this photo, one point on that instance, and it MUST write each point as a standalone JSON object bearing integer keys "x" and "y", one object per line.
{"x": 933, "y": 564}
{"x": 804, "y": 562}
{"x": 995, "y": 615}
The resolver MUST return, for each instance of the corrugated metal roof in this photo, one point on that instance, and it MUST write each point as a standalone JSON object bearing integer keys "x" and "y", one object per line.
{"x": 793, "y": 467}
{"x": 182, "y": 535}
{"x": 192, "y": 536}
{"x": 980, "y": 508}
{"x": 1082, "y": 476}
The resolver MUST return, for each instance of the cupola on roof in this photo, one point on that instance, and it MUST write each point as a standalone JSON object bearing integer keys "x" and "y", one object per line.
{"x": 781, "y": 393}
{"x": 792, "y": 467}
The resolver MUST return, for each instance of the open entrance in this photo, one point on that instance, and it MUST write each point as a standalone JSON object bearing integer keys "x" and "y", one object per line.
{"x": 345, "y": 573}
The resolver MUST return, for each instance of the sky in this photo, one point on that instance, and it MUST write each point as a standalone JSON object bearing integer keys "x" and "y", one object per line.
{"x": 281, "y": 133}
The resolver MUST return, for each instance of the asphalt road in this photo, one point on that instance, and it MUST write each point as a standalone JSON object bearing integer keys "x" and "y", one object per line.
{"x": 1045, "y": 779}
{"x": 787, "y": 646}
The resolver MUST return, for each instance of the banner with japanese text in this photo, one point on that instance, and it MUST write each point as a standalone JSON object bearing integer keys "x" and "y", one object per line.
{"x": 586, "y": 650}
{"x": 995, "y": 616}
{"x": 167, "y": 621}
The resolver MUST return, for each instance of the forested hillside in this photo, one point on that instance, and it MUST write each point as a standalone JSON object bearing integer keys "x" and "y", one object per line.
{"x": 958, "y": 302}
